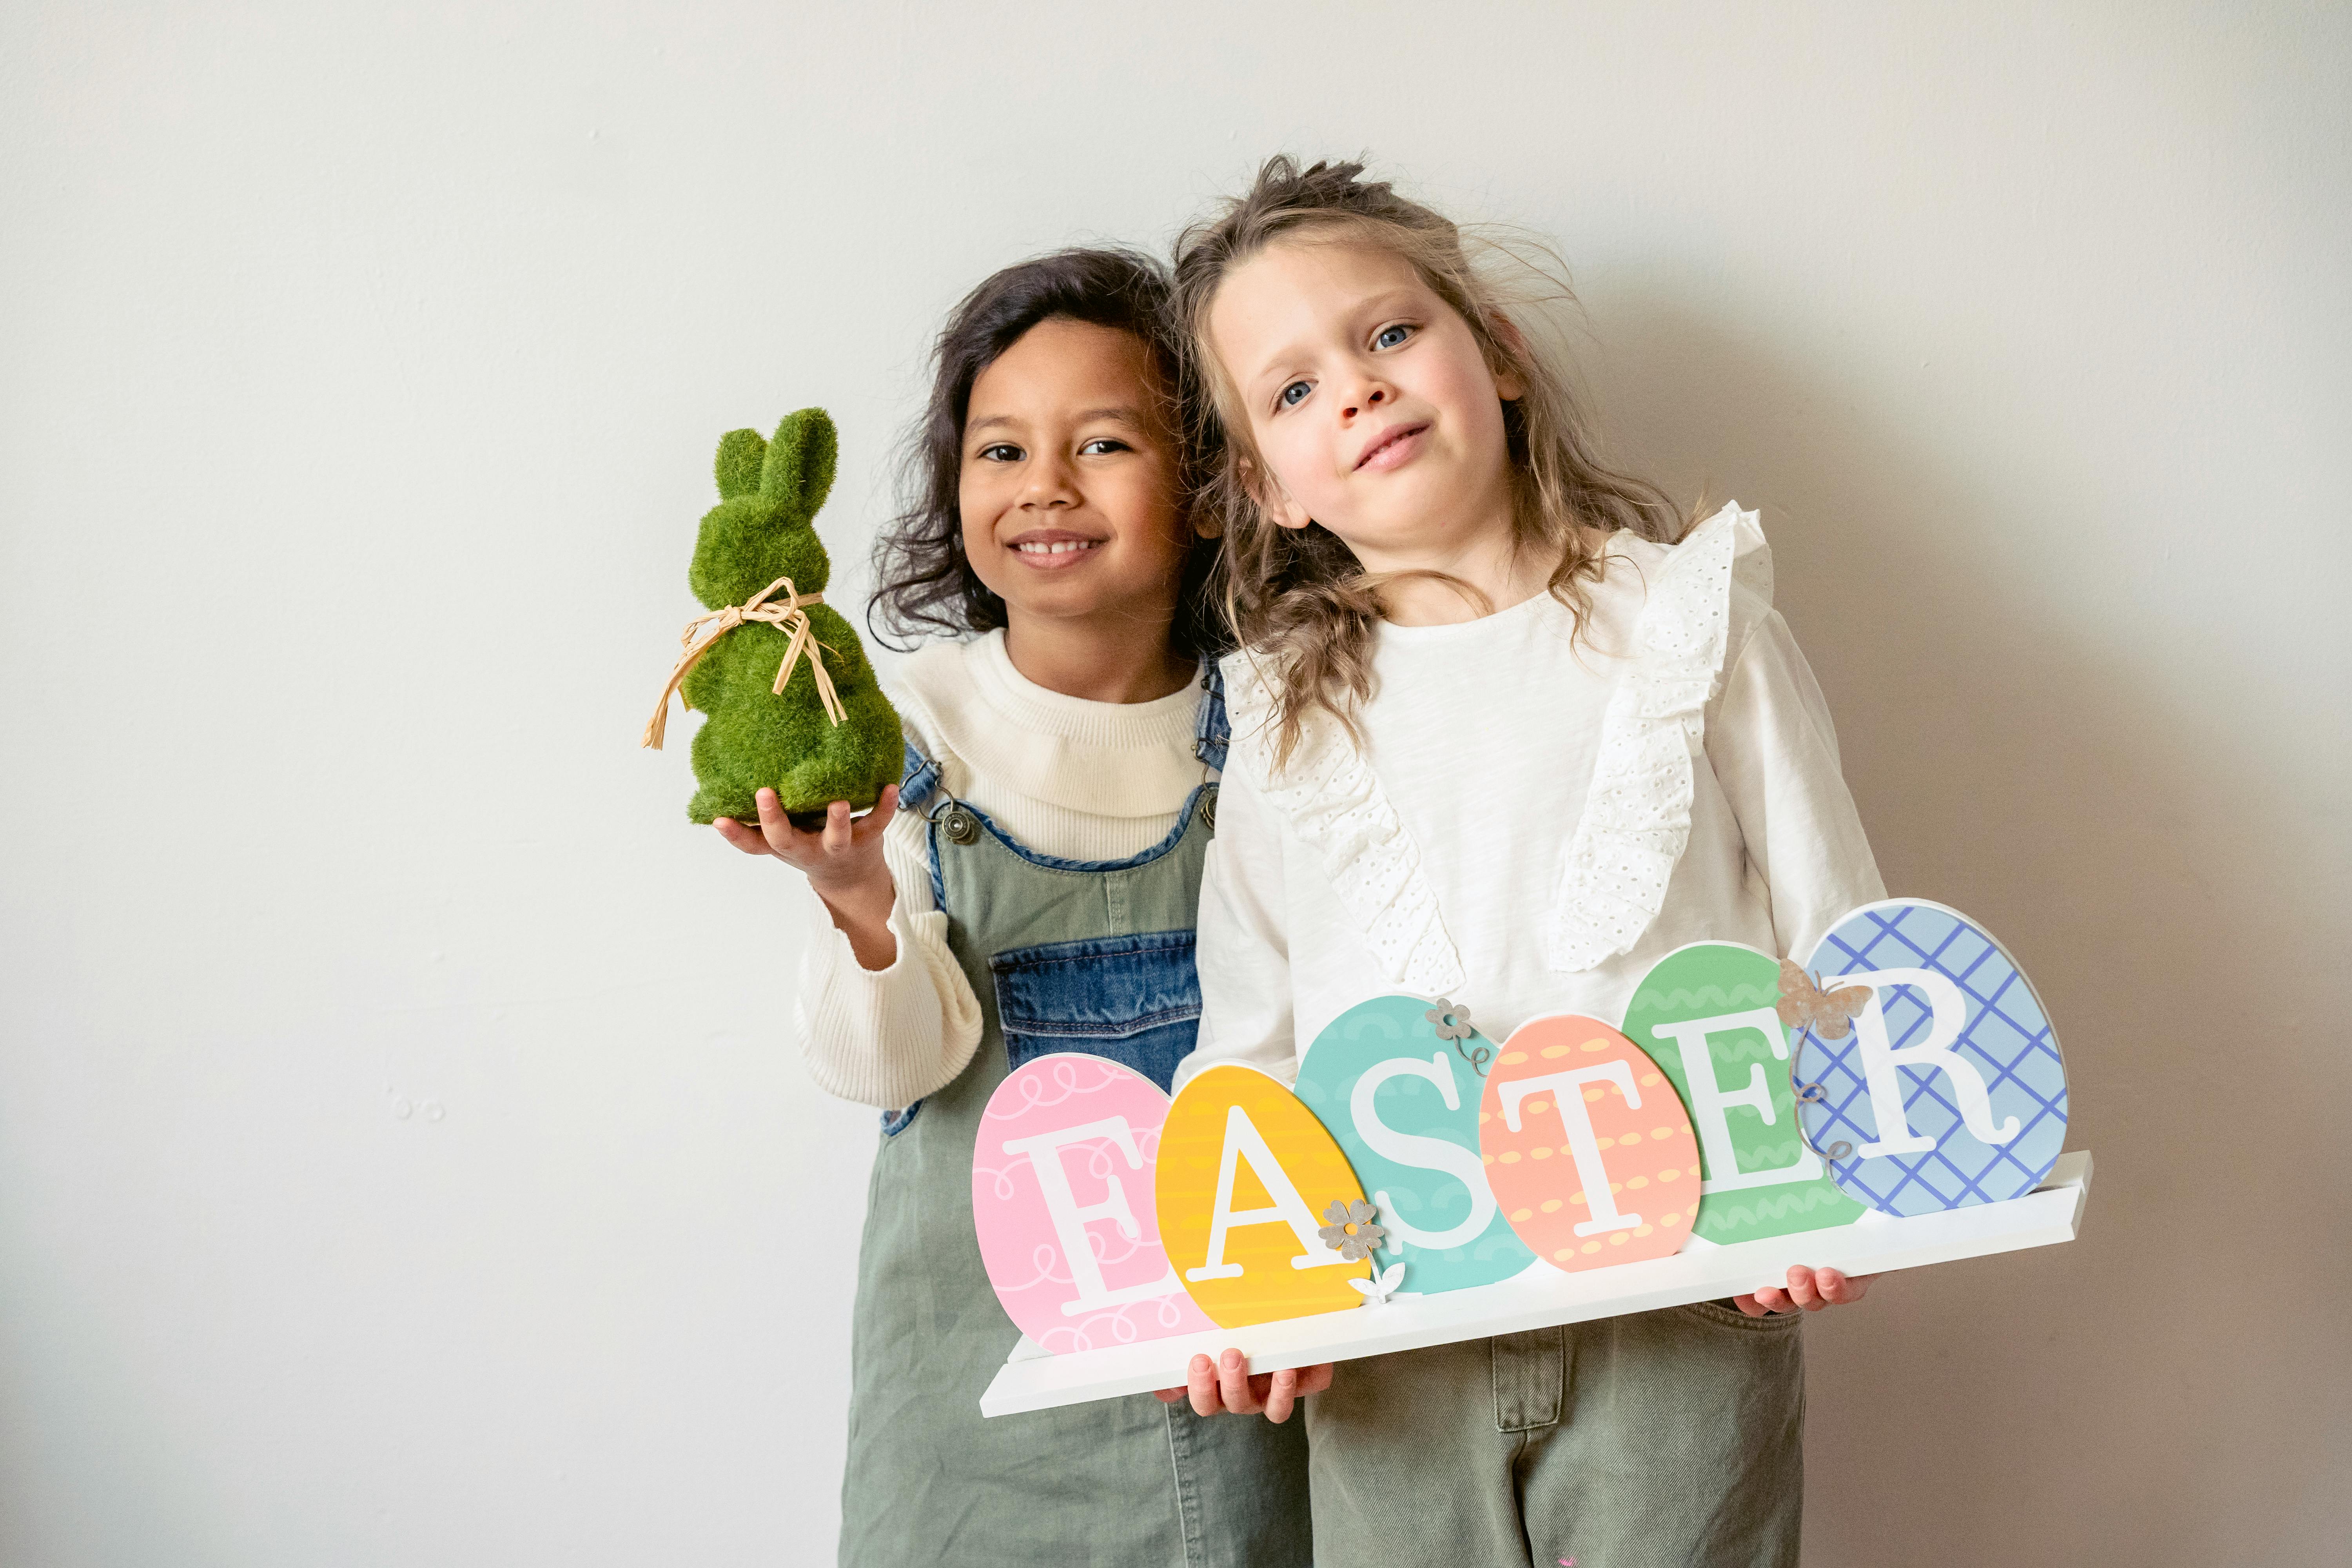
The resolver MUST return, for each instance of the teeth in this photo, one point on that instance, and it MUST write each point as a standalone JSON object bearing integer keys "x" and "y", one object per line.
{"x": 1062, "y": 547}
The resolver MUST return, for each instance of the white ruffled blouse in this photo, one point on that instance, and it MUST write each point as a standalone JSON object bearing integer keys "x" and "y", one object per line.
{"x": 1536, "y": 816}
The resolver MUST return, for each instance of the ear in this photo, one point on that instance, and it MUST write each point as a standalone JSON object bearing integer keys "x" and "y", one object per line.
{"x": 1509, "y": 387}
{"x": 740, "y": 452}
{"x": 1271, "y": 498}
{"x": 800, "y": 463}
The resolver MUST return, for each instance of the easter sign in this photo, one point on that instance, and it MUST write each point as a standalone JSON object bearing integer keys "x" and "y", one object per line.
{"x": 1897, "y": 1100}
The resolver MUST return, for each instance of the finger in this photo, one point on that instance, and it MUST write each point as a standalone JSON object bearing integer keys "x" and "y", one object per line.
{"x": 747, "y": 839}
{"x": 1201, "y": 1382}
{"x": 1802, "y": 1291}
{"x": 1752, "y": 1305}
{"x": 1314, "y": 1379}
{"x": 1282, "y": 1392}
{"x": 1841, "y": 1291}
{"x": 836, "y": 828}
{"x": 1232, "y": 1384}
{"x": 774, "y": 826}
{"x": 869, "y": 828}
{"x": 1168, "y": 1395}
{"x": 1774, "y": 1299}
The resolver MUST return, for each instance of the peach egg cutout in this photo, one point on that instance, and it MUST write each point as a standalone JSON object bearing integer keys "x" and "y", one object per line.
{"x": 1587, "y": 1146}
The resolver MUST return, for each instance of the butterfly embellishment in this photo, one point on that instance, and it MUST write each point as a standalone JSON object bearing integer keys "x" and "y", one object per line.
{"x": 1806, "y": 1004}
{"x": 1378, "y": 1288}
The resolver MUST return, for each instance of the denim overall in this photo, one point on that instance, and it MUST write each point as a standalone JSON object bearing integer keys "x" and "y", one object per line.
{"x": 1064, "y": 955}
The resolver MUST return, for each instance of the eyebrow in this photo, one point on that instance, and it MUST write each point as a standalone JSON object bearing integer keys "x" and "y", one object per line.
{"x": 1118, "y": 413}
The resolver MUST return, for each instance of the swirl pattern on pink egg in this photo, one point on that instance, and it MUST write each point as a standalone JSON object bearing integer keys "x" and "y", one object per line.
{"x": 1062, "y": 1182}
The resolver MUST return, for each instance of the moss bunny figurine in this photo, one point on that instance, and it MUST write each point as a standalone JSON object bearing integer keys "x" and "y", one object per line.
{"x": 791, "y": 703}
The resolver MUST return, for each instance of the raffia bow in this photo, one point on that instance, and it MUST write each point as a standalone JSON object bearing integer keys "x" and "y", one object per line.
{"x": 791, "y": 616}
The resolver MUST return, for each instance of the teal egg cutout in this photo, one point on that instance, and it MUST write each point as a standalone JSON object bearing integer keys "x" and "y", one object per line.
{"x": 1416, "y": 1156}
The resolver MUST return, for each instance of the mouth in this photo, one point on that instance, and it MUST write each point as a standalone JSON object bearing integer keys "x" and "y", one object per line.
{"x": 1053, "y": 549}
{"x": 1393, "y": 447}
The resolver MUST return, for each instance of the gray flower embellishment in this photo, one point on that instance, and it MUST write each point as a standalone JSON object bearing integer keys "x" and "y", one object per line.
{"x": 1350, "y": 1230}
{"x": 1452, "y": 1022}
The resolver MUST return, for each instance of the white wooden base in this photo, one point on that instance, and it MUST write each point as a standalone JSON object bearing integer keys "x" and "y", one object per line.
{"x": 1544, "y": 1296}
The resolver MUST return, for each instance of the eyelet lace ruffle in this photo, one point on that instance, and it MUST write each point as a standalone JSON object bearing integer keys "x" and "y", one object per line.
{"x": 1332, "y": 799}
{"x": 1637, "y": 812}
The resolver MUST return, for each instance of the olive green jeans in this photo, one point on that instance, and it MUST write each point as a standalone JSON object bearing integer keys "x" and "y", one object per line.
{"x": 1669, "y": 1439}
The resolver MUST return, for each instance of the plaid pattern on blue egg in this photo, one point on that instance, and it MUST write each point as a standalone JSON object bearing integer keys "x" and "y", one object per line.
{"x": 2006, "y": 1039}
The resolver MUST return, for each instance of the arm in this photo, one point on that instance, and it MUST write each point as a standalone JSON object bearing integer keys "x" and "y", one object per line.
{"x": 1245, "y": 1016}
{"x": 885, "y": 1015}
{"x": 1776, "y": 754}
{"x": 1244, "y": 946}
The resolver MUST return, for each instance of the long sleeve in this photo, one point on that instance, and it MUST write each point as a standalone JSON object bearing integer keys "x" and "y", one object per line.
{"x": 886, "y": 1037}
{"x": 1244, "y": 955}
{"x": 1775, "y": 753}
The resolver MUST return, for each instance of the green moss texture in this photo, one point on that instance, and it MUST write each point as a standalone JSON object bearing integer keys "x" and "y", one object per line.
{"x": 763, "y": 528}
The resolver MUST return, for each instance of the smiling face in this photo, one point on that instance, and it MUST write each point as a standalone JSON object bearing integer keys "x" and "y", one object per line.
{"x": 1369, "y": 401}
{"x": 1069, "y": 484}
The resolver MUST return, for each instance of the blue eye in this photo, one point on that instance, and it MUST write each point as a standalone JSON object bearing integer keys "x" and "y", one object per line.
{"x": 1294, "y": 394}
{"x": 1391, "y": 336}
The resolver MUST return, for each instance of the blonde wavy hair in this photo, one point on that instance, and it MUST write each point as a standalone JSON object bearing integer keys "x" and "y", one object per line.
{"x": 1298, "y": 602}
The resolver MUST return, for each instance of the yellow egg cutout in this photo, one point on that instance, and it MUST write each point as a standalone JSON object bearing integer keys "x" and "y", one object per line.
{"x": 1246, "y": 1171}
{"x": 1587, "y": 1145}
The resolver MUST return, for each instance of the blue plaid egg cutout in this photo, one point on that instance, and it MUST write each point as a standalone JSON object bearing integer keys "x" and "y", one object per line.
{"x": 1998, "y": 1036}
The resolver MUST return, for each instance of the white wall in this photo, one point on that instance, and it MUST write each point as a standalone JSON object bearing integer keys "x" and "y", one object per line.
{"x": 401, "y": 1156}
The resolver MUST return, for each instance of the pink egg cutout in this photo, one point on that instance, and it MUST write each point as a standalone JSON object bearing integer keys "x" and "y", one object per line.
{"x": 1066, "y": 1156}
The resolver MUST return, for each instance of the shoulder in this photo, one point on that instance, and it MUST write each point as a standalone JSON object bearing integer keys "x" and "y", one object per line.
{"x": 933, "y": 689}
{"x": 1702, "y": 598}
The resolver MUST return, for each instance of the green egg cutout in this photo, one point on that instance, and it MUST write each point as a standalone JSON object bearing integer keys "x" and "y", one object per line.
{"x": 1403, "y": 1102}
{"x": 1705, "y": 1014}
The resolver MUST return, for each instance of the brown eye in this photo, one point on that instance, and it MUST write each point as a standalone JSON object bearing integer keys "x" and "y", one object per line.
{"x": 999, "y": 452}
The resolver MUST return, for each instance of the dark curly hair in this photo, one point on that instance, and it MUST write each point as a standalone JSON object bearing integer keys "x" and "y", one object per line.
{"x": 926, "y": 586}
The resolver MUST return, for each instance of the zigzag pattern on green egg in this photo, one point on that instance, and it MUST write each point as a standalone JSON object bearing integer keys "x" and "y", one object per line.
{"x": 1737, "y": 1214}
{"x": 1728, "y": 998}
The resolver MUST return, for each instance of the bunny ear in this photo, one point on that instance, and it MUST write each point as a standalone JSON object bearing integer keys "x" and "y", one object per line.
{"x": 741, "y": 454}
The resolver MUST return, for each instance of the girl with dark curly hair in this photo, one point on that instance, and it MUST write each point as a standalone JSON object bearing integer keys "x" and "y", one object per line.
{"x": 1029, "y": 887}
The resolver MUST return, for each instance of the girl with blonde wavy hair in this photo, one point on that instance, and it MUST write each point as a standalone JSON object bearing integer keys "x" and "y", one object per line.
{"x": 1506, "y": 730}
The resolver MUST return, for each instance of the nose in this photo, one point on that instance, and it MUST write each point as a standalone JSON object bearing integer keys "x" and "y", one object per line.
{"x": 1050, "y": 485}
{"x": 1367, "y": 395}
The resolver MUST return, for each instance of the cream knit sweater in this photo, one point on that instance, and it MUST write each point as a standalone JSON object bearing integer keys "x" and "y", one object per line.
{"x": 1061, "y": 776}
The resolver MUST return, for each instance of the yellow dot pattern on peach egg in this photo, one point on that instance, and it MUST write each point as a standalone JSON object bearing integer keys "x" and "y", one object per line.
{"x": 1590, "y": 1096}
